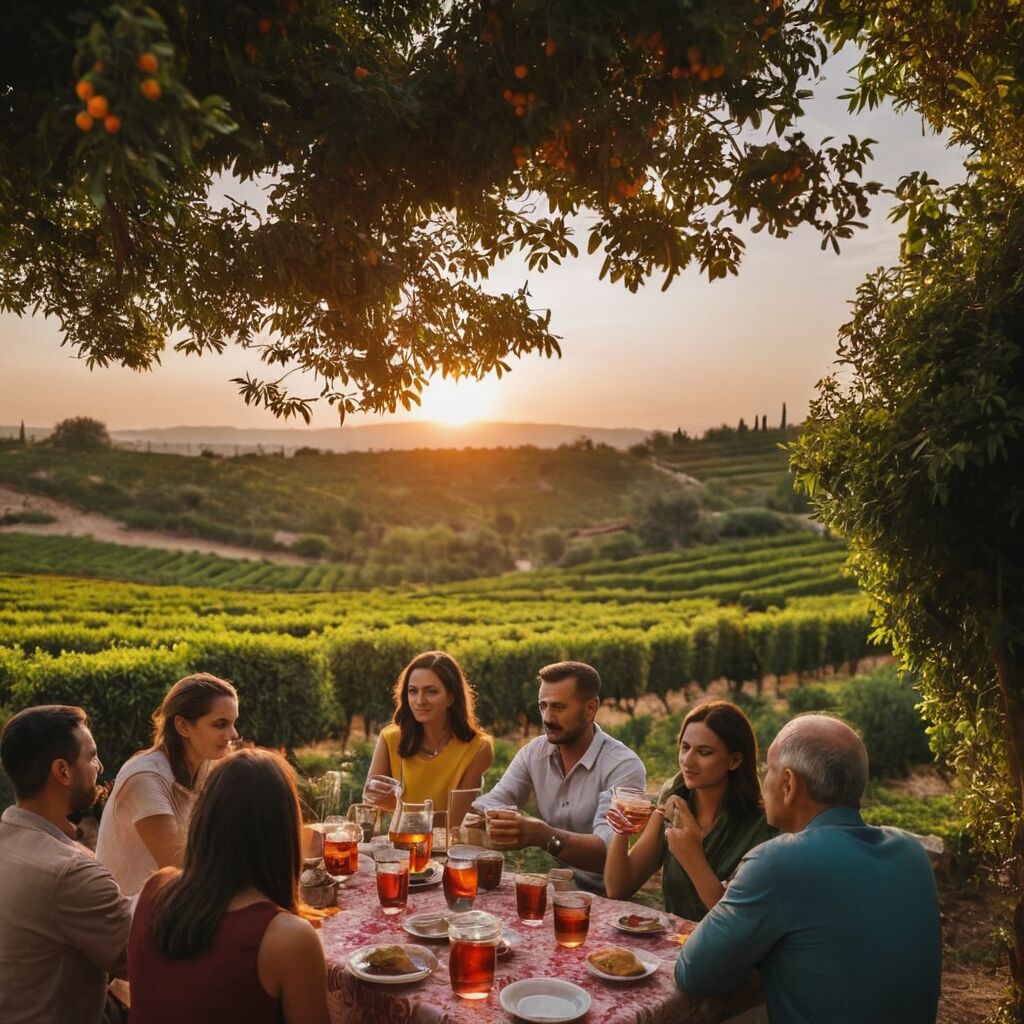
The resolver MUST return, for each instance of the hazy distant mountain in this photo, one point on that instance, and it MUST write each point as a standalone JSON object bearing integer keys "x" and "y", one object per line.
{"x": 374, "y": 436}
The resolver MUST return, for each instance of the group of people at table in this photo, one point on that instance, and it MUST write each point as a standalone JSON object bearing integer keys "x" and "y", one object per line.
{"x": 192, "y": 895}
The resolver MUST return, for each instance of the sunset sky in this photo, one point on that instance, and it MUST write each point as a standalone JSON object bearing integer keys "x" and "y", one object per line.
{"x": 695, "y": 356}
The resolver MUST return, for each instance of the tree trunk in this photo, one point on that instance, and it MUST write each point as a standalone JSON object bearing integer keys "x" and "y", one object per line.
{"x": 1010, "y": 672}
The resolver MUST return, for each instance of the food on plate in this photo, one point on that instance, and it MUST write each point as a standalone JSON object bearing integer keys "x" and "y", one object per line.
{"x": 390, "y": 960}
{"x": 641, "y": 922}
{"x": 621, "y": 963}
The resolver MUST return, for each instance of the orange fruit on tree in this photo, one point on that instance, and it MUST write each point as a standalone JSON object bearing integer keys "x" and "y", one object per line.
{"x": 84, "y": 90}
{"x": 614, "y": 162}
{"x": 147, "y": 63}
{"x": 112, "y": 124}
{"x": 693, "y": 54}
{"x": 84, "y": 121}
{"x": 717, "y": 70}
{"x": 264, "y": 25}
{"x": 150, "y": 88}
{"x": 550, "y": 47}
{"x": 97, "y": 106}
{"x": 507, "y": 95}
{"x": 520, "y": 111}
{"x": 360, "y": 73}
{"x": 520, "y": 71}
{"x": 99, "y": 67}
{"x": 372, "y": 258}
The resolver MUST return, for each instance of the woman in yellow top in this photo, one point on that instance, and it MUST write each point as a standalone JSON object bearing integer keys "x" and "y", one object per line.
{"x": 434, "y": 744}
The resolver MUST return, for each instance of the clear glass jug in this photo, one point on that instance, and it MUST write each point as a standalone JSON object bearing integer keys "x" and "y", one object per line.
{"x": 412, "y": 829}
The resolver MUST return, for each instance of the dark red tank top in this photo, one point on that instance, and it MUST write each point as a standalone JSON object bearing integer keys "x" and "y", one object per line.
{"x": 220, "y": 984}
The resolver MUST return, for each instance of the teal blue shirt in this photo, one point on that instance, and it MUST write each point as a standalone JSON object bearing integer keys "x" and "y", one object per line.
{"x": 841, "y": 919}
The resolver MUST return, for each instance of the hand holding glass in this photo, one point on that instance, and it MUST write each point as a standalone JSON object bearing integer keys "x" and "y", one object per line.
{"x": 381, "y": 791}
{"x": 502, "y": 824}
{"x": 632, "y": 808}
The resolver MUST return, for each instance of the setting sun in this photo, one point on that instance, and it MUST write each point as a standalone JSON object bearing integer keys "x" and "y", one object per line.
{"x": 458, "y": 402}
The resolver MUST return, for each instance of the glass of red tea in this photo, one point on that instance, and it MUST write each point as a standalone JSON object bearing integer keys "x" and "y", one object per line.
{"x": 459, "y": 882}
{"x": 488, "y": 869}
{"x": 474, "y": 938}
{"x": 531, "y": 899}
{"x": 572, "y": 918}
{"x": 341, "y": 849}
{"x": 392, "y": 880}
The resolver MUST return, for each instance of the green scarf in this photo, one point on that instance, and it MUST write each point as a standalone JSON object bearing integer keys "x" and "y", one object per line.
{"x": 731, "y": 836}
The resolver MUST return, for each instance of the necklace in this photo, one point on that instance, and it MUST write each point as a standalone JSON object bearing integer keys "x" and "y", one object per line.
{"x": 430, "y": 754}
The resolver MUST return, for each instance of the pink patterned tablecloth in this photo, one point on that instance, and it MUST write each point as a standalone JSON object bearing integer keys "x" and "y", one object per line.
{"x": 653, "y": 1000}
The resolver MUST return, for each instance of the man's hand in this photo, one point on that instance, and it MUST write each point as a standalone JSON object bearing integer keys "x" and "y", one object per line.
{"x": 511, "y": 830}
{"x": 685, "y": 839}
{"x": 473, "y": 819}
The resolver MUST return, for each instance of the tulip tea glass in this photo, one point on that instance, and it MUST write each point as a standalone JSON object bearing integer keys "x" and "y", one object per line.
{"x": 474, "y": 938}
{"x": 531, "y": 899}
{"x": 341, "y": 849}
{"x": 634, "y": 805}
{"x": 562, "y": 879}
{"x": 392, "y": 880}
{"x": 572, "y": 918}
{"x": 488, "y": 869}
{"x": 459, "y": 882}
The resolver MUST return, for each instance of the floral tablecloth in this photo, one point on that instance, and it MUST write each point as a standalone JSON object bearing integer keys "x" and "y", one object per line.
{"x": 535, "y": 954}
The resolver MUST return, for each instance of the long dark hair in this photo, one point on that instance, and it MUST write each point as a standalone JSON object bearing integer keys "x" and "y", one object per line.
{"x": 191, "y": 698}
{"x": 461, "y": 715}
{"x": 729, "y": 723}
{"x": 245, "y": 831}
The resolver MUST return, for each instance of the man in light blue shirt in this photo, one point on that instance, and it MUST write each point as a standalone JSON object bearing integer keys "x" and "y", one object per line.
{"x": 571, "y": 771}
{"x": 840, "y": 918}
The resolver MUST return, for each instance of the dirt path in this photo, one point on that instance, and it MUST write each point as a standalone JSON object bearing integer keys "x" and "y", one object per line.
{"x": 68, "y": 520}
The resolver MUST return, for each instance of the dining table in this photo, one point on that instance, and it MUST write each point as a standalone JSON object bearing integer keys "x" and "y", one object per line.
{"x": 358, "y": 921}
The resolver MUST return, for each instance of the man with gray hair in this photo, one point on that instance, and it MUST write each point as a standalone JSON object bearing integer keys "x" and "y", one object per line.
{"x": 840, "y": 918}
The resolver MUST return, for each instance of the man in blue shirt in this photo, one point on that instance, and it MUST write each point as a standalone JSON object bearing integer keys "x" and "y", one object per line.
{"x": 840, "y": 918}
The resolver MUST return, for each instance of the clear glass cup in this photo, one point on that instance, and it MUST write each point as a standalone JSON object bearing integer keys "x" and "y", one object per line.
{"x": 392, "y": 879}
{"x": 489, "y": 866}
{"x": 562, "y": 879}
{"x": 474, "y": 938}
{"x": 531, "y": 899}
{"x": 412, "y": 828}
{"x": 634, "y": 805}
{"x": 366, "y": 817}
{"x": 571, "y": 918}
{"x": 341, "y": 849}
{"x": 381, "y": 790}
{"x": 459, "y": 882}
{"x": 493, "y": 814}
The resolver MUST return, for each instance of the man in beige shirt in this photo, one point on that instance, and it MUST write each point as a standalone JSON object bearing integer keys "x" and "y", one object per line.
{"x": 63, "y": 921}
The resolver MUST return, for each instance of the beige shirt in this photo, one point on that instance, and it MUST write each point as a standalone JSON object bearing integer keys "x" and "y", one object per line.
{"x": 63, "y": 925}
{"x": 144, "y": 787}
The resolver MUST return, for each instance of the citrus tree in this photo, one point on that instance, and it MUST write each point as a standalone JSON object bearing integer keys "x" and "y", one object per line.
{"x": 916, "y": 453}
{"x": 404, "y": 149}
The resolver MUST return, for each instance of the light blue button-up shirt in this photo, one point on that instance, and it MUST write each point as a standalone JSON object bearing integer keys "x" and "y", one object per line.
{"x": 841, "y": 919}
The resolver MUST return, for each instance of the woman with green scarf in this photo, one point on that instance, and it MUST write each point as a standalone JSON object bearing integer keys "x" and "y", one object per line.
{"x": 708, "y": 816}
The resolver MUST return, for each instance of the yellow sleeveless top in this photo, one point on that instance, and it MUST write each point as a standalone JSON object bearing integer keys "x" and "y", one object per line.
{"x": 433, "y": 778}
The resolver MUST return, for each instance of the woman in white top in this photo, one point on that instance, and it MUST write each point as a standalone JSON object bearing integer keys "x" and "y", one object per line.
{"x": 145, "y": 821}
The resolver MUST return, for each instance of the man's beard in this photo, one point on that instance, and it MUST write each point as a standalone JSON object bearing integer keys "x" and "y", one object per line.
{"x": 82, "y": 801}
{"x": 565, "y": 736}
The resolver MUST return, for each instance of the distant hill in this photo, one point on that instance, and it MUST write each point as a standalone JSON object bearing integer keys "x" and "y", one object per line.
{"x": 376, "y": 436}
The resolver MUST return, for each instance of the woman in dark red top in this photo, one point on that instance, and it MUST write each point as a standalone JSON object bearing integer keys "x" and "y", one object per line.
{"x": 220, "y": 940}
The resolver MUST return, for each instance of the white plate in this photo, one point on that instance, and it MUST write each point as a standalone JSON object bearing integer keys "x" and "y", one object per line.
{"x": 427, "y": 925}
{"x": 631, "y": 930}
{"x": 425, "y": 879}
{"x": 649, "y": 960}
{"x": 419, "y": 955}
{"x": 545, "y": 1000}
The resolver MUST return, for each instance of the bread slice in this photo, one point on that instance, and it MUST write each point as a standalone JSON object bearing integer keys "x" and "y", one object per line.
{"x": 621, "y": 963}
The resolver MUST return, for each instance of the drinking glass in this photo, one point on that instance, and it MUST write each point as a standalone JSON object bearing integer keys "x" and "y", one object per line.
{"x": 365, "y": 816}
{"x": 531, "y": 899}
{"x": 562, "y": 879}
{"x": 459, "y": 882}
{"x": 392, "y": 880}
{"x": 381, "y": 790}
{"x": 474, "y": 938}
{"x": 493, "y": 814}
{"x": 572, "y": 918}
{"x": 634, "y": 805}
{"x": 341, "y": 849}
{"x": 488, "y": 869}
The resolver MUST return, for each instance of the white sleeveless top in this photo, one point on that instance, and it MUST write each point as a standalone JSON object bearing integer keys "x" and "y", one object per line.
{"x": 145, "y": 786}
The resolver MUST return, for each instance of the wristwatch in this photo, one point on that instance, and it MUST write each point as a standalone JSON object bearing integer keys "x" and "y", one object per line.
{"x": 555, "y": 844}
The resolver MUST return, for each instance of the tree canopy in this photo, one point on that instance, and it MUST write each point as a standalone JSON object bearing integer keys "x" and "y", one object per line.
{"x": 404, "y": 150}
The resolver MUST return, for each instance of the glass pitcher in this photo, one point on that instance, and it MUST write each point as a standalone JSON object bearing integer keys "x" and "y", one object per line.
{"x": 412, "y": 829}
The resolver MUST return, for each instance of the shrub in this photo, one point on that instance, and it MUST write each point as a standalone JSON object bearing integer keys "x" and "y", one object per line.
{"x": 884, "y": 709}
{"x": 549, "y": 544}
{"x": 810, "y": 698}
{"x": 750, "y": 522}
{"x": 80, "y": 434}
{"x": 311, "y": 545}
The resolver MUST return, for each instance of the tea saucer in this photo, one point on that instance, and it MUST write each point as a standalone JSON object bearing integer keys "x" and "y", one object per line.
{"x": 545, "y": 1000}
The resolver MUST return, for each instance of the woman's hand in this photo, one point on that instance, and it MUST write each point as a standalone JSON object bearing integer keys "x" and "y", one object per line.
{"x": 685, "y": 839}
